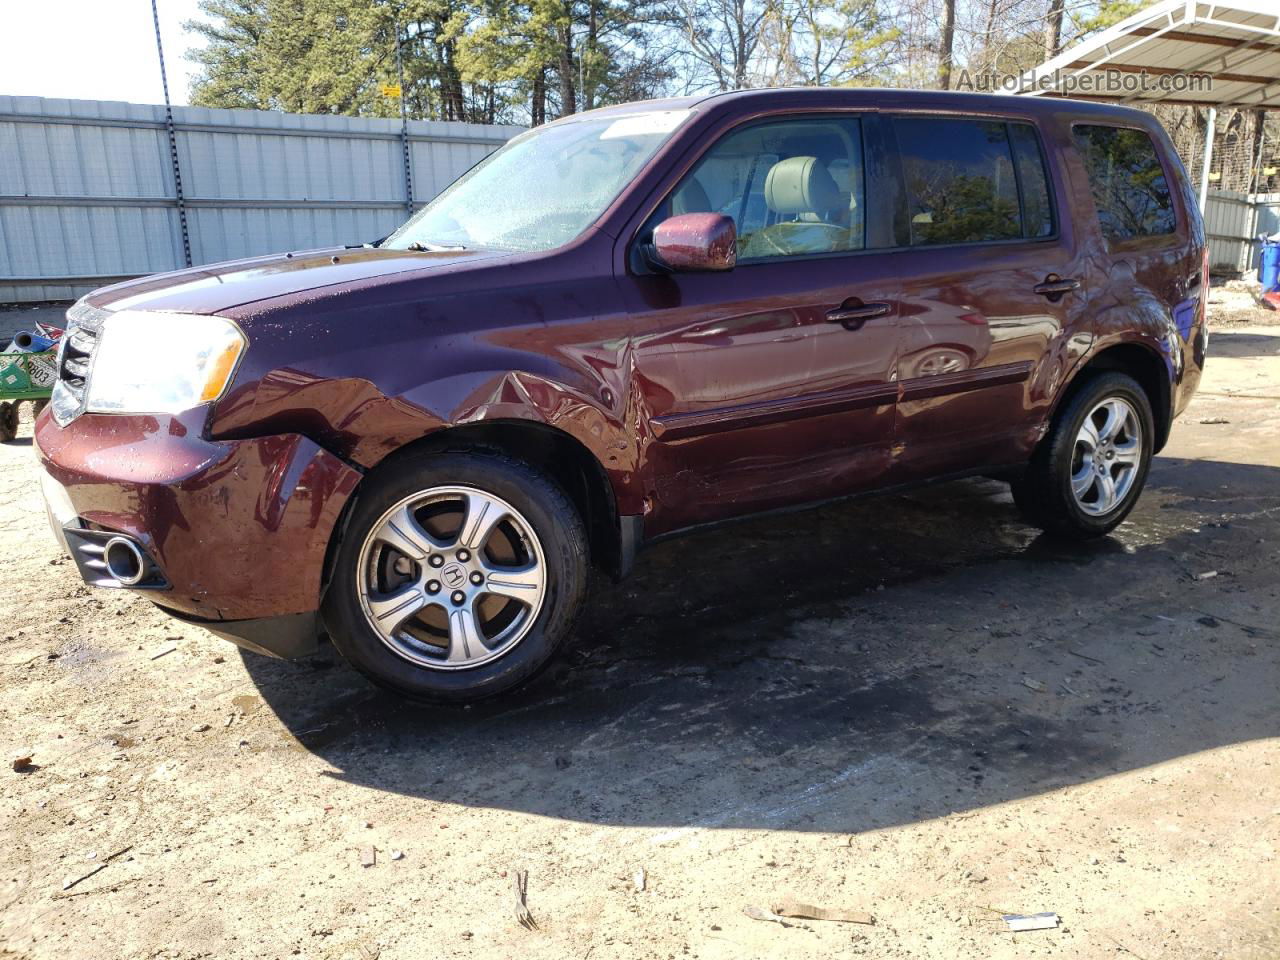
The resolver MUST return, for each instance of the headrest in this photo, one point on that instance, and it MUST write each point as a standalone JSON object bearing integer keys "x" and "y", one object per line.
{"x": 690, "y": 198}
{"x": 842, "y": 173}
{"x": 800, "y": 185}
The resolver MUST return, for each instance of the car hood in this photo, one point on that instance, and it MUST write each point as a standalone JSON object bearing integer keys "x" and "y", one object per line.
{"x": 222, "y": 286}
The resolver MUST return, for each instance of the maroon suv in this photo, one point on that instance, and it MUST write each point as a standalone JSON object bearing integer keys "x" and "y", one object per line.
{"x": 622, "y": 325}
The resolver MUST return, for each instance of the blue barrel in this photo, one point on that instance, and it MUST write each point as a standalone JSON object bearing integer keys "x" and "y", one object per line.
{"x": 1270, "y": 273}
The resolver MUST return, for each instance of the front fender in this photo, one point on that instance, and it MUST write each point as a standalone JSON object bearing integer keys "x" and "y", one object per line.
{"x": 355, "y": 420}
{"x": 364, "y": 375}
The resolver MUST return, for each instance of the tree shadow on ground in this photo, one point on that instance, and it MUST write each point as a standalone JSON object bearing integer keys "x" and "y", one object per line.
{"x": 860, "y": 665}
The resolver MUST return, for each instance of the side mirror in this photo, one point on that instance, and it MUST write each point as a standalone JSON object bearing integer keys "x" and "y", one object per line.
{"x": 693, "y": 242}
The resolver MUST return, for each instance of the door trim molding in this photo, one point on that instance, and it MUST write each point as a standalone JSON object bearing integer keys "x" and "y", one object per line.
{"x": 696, "y": 423}
{"x": 962, "y": 381}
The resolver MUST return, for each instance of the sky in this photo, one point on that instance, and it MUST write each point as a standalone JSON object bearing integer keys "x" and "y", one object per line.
{"x": 94, "y": 49}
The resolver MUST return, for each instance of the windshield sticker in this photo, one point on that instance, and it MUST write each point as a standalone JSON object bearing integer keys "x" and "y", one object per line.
{"x": 643, "y": 124}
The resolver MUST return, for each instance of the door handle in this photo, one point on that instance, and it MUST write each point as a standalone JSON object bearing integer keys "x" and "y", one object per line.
{"x": 1055, "y": 286}
{"x": 854, "y": 313}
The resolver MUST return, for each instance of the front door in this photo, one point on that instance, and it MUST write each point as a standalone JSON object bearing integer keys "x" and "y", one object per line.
{"x": 771, "y": 384}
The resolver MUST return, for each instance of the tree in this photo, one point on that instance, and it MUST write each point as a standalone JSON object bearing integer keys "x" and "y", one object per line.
{"x": 828, "y": 43}
{"x": 947, "y": 50}
{"x": 723, "y": 35}
{"x": 307, "y": 56}
{"x": 327, "y": 57}
{"x": 1105, "y": 13}
{"x": 232, "y": 67}
{"x": 1053, "y": 30}
{"x": 556, "y": 56}
{"x": 482, "y": 61}
{"x": 529, "y": 61}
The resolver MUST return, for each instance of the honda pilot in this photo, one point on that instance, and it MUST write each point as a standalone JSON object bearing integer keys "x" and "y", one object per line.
{"x": 622, "y": 325}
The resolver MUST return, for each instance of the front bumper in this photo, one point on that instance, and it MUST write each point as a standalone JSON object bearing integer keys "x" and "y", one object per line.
{"x": 237, "y": 530}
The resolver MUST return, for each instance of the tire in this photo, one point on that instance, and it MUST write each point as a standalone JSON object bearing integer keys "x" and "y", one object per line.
{"x": 1052, "y": 493}
{"x": 8, "y": 421}
{"x": 383, "y": 556}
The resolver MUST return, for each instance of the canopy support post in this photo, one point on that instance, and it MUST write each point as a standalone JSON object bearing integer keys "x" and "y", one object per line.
{"x": 1210, "y": 130}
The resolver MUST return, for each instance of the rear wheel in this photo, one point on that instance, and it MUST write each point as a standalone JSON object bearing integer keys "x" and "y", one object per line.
{"x": 458, "y": 577}
{"x": 1089, "y": 469}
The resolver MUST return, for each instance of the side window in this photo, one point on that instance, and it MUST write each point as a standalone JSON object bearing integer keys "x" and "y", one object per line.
{"x": 960, "y": 179}
{"x": 1129, "y": 188}
{"x": 793, "y": 187}
{"x": 1037, "y": 207}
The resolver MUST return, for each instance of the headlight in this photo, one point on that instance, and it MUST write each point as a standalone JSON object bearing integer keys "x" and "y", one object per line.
{"x": 162, "y": 362}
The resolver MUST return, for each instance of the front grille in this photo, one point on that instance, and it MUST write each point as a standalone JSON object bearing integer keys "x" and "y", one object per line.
{"x": 75, "y": 361}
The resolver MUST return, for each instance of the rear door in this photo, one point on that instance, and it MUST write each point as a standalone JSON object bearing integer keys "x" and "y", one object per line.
{"x": 1154, "y": 264}
{"x": 770, "y": 384}
{"x": 992, "y": 282}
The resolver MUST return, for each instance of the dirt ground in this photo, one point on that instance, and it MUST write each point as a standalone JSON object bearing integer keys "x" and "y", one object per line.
{"x": 911, "y": 706}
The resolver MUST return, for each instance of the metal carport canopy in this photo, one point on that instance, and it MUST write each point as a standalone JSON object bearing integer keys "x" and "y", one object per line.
{"x": 1235, "y": 44}
{"x": 1151, "y": 56}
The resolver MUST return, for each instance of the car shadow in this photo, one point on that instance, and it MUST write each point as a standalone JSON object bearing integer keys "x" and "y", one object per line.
{"x": 1239, "y": 344}
{"x": 859, "y": 665}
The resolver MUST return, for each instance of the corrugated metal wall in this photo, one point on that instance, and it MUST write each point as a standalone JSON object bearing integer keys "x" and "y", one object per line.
{"x": 1233, "y": 222}
{"x": 1230, "y": 223}
{"x": 87, "y": 192}
{"x": 1268, "y": 206}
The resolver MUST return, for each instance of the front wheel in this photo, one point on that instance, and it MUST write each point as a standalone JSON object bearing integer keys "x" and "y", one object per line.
{"x": 458, "y": 577}
{"x": 1087, "y": 472}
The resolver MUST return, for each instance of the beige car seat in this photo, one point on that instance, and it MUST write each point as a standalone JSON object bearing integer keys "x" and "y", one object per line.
{"x": 802, "y": 190}
{"x": 850, "y": 213}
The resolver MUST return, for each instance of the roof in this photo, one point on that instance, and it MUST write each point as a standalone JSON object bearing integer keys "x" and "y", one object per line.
{"x": 1235, "y": 44}
{"x": 868, "y": 98}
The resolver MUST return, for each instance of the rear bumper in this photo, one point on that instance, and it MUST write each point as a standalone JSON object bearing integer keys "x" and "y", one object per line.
{"x": 237, "y": 530}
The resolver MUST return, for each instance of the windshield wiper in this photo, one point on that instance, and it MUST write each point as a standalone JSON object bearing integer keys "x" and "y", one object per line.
{"x": 426, "y": 246}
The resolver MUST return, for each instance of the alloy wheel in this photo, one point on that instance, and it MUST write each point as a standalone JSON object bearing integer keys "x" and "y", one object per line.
{"x": 1108, "y": 453}
{"x": 451, "y": 577}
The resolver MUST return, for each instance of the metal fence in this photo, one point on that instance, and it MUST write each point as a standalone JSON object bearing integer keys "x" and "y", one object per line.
{"x": 1233, "y": 222}
{"x": 89, "y": 192}
{"x": 1268, "y": 207}
{"x": 1229, "y": 225}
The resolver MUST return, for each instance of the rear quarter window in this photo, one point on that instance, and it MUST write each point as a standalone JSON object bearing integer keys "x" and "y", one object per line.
{"x": 1127, "y": 181}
